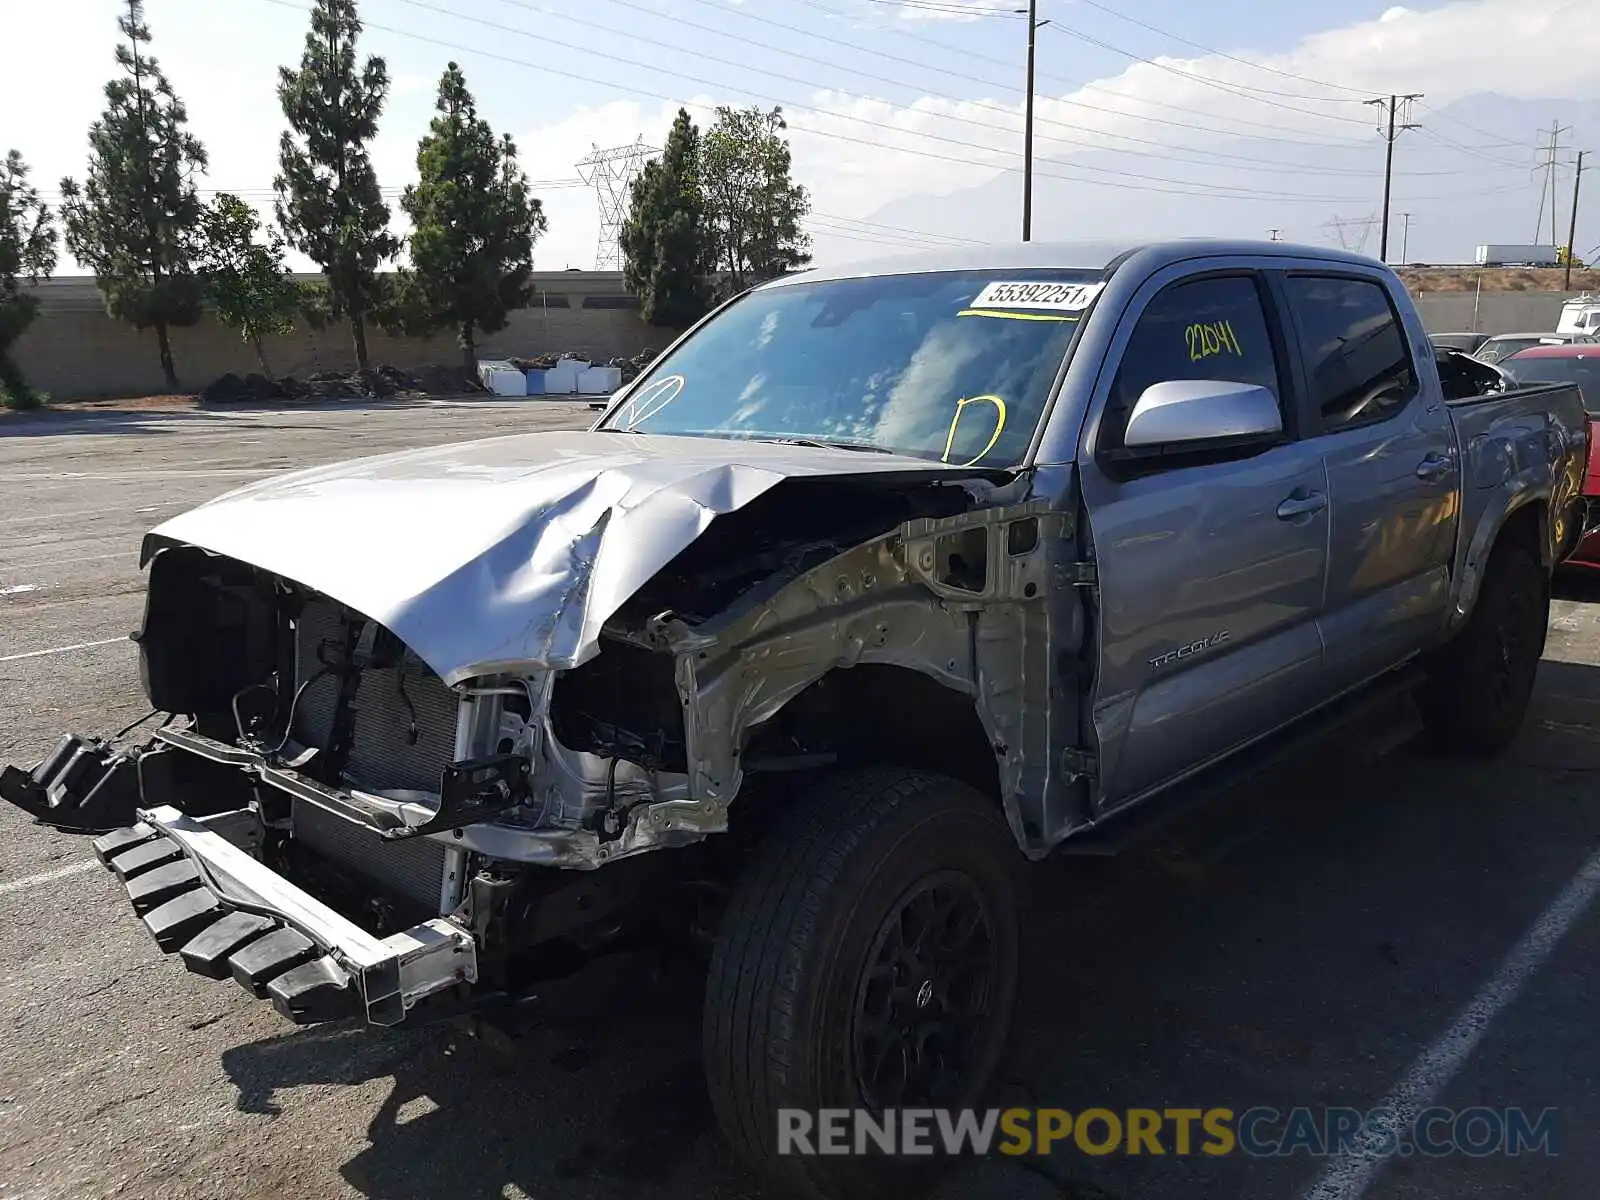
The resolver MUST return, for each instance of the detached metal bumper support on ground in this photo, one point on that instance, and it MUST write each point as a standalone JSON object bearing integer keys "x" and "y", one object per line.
{"x": 225, "y": 913}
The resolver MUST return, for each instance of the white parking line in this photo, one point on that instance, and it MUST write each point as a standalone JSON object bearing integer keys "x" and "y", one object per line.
{"x": 60, "y": 649}
{"x": 110, "y": 476}
{"x": 77, "y": 558}
{"x": 84, "y": 513}
{"x": 34, "y": 609}
{"x": 27, "y": 881}
{"x": 1348, "y": 1175}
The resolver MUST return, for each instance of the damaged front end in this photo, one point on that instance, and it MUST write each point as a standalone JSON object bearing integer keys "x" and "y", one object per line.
{"x": 376, "y": 753}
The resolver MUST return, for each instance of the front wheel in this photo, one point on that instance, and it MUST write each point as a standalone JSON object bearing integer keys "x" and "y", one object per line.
{"x": 1480, "y": 682}
{"x": 867, "y": 961}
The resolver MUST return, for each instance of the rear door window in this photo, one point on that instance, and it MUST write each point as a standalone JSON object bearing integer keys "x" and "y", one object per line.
{"x": 1354, "y": 348}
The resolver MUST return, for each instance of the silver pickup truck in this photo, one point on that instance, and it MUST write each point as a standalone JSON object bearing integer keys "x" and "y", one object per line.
{"x": 878, "y": 584}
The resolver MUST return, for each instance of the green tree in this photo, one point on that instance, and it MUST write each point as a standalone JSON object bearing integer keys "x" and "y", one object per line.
{"x": 27, "y": 252}
{"x": 473, "y": 226}
{"x": 667, "y": 252}
{"x": 753, "y": 206}
{"x": 255, "y": 294}
{"x": 133, "y": 221}
{"x": 328, "y": 202}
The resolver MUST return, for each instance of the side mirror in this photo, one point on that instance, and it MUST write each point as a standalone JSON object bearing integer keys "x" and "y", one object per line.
{"x": 1188, "y": 411}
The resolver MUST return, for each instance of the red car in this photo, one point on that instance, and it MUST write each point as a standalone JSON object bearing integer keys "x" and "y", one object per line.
{"x": 1578, "y": 363}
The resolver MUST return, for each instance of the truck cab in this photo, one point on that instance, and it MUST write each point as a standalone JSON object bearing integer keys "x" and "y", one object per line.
{"x": 1581, "y": 314}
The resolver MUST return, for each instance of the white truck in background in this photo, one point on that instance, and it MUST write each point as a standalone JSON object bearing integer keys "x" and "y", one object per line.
{"x": 1518, "y": 256}
{"x": 1581, "y": 314}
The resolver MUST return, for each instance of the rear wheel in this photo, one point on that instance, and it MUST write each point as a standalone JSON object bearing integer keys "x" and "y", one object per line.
{"x": 868, "y": 960}
{"x": 1479, "y": 683}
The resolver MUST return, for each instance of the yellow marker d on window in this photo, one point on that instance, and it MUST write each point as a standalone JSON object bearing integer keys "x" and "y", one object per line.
{"x": 999, "y": 427}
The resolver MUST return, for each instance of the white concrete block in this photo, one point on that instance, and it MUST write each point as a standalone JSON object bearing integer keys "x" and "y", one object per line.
{"x": 599, "y": 381}
{"x": 507, "y": 381}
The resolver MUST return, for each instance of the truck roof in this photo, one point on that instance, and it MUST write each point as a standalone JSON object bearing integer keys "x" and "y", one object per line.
{"x": 1086, "y": 255}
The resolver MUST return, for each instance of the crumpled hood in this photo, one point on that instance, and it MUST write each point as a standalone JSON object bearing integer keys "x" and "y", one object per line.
{"x": 508, "y": 552}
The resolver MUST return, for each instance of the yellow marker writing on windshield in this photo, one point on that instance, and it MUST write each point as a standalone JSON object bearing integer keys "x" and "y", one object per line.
{"x": 961, "y": 407}
{"x": 1013, "y": 316}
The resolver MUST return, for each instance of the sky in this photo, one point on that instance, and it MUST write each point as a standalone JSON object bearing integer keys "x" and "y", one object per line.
{"x": 889, "y": 102}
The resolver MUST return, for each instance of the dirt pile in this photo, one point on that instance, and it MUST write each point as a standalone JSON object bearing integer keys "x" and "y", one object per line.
{"x": 1423, "y": 281}
{"x": 631, "y": 367}
{"x": 377, "y": 383}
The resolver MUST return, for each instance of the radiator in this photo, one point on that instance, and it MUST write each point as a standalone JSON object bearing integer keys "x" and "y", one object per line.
{"x": 381, "y": 758}
{"x": 381, "y": 754}
{"x": 413, "y": 869}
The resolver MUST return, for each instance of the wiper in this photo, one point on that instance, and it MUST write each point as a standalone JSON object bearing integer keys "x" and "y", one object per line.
{"x": 864, "y": 447}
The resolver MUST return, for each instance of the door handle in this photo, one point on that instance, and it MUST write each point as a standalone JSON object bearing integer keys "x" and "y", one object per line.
{"x": 1433, "y": 468}
{"x": 1302, "y": 506}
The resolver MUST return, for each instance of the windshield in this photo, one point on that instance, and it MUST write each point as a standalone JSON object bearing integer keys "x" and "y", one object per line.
{"x": 1496, "y": 348}
{"x": 1583, "y": 371}
{"x": 950, "y": 366}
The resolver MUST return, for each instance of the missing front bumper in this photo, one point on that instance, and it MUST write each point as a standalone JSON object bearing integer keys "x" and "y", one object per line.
{"x": 225, "y": 913}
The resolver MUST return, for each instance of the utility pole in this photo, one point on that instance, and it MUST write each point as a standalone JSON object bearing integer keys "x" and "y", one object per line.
{"x": 1405, "y": 236}
{"x": 1390, "y": 105}
{"x": 1272, "y": 234}
{"x": 1032, "y": 13}
{"x": 1572, "y": 229}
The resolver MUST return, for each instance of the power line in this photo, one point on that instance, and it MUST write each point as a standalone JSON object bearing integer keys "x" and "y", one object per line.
{"x": 725, "y": 11}
{"x": 1232, "y": 90}
{"x": 971, "y": 12}
{"x": 1182, "y": 186}
{"x": 1223, "y": 54}
{"x": 1484, "y": 133}
{"x": 886, "y": 238}
{"x": 1435, "y": 135}
{"x": 954, "y": 239}
{"x": 1275, "y": 167}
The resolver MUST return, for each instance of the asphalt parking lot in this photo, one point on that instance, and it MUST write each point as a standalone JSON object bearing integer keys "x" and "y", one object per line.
{"x": 1404, "y": 933}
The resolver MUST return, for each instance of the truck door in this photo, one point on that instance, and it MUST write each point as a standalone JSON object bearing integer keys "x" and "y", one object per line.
{"x": 1211, "y": 561}
{"x": 1393, "y": 475}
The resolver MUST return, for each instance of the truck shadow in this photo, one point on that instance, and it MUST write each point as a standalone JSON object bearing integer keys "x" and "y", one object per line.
{"x": 1295, "y": 945}
{"x": 598, "y": 1090}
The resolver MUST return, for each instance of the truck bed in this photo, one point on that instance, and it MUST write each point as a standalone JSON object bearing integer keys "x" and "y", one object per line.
{"x": 1509, "y": 443}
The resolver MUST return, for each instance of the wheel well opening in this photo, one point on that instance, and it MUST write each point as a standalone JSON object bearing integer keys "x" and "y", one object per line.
{"x": 881, "y": 714}
{"x": 1526, "y": 526}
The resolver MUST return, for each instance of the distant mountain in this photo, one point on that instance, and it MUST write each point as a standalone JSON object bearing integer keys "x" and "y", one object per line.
{"x": 1478, "y": 189}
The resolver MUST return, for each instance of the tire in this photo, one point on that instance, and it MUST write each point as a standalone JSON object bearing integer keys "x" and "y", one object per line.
{"x": 1480, "y": 682}
{"x": 854, "y": 865}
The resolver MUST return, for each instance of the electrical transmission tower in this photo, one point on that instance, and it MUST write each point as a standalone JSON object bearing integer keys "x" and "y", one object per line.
{"x": 610, "y": 173}
{"x": 1353, "y": 232}
{"x": 1548, "y": 165}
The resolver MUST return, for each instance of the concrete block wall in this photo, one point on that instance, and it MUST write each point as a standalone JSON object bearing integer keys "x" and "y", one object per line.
{"x": 73, "y": 349}
{"x": 1498, "y": 312}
